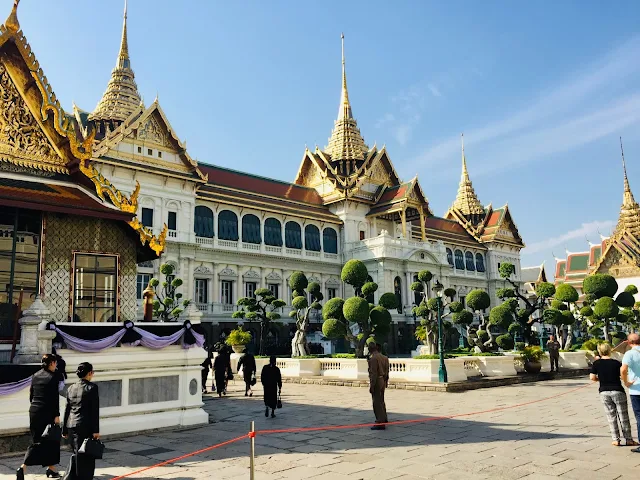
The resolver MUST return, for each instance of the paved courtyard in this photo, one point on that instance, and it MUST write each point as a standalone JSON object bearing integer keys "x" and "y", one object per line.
{"x": 565, "y": 437}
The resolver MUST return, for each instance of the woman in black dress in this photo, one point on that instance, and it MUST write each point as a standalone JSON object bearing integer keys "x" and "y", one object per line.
{"x": 272, "y": 385}
{"x": 221, "y": 371}
{"x": 248, "y": 365}
{"x": 82, "y": 421}
{"x": 44, "y": 410}
{"x": 206, "y": 366}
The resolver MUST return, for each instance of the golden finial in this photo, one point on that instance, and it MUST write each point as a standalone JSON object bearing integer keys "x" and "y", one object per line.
{"x": 465, "y": 172}
{"x": 11, "y": 22}
{"x": 624, "y": 169}
{"x": 345, "y": 106}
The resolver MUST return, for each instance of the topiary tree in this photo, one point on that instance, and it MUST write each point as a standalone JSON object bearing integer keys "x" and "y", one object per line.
{"x": 261, "y": 308}
{"x": 600, "y": 285}
{"x": 505, "y": 342}
{"x": 478, "y": 301}
{"x": 567, "y": 295}
{"x": 427, "y": 310}
{"x": 501, "y": 317}
{"x": 342, "y": 317}
{"x": 544, "y": 291}
{"x": 606, "y": 310}
{"x": 301, "y": 310}
{"x": 168, "y": 303}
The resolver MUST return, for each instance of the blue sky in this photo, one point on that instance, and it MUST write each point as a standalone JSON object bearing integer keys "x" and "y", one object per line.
{"x": 542, "y": 91}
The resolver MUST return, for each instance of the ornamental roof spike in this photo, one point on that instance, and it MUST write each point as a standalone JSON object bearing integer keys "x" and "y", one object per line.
{"x": 121, "y": 98}
{"x": 466, "y": 200}
{"x": 346, "y": 142}
{"x": 12, "y": 22}
{"x": 629, "y": 217}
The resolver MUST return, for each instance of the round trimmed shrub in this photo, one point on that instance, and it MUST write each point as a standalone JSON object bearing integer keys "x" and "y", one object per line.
{"x": 432, "y": 304}
{"x": 586, "y": 311}
{"x": 505, "y": 342}
{"x": 482, "y": 335}
{"x": 515, "y": 328}
{"x": 298, "y": 281}
{"x": 380, "y": 316}
{"x": 333, "y": 309}
{"x": 478, "y": 300}
{"x": 299, "y": 303}
{"x": 421, "y": 311}
{"x": 417, "y": 287}
{"x": 566, "y": 293}
{"x": 313, "y": 288}
{"x": 388, "y": 300}
{"x": 600, "y": 285}
{"x": 166, "y": 269}
{"x": 545, "y": 290}
{"x": 632, "y": 289}
{"x": 625, "y": 299}
{"x": 465, "y": 317}
{"x": 605, "y": 308}
{"x": 369, "y": 288}
{"x": 332, "y": 328}
{"x": 455, "y": 307}
{"x": 354, "y": 273}
{"x": 263, "y": 292}
{"x": 450, "y": 292}
{"x": 501, "y": 316}
{"x": 425, "y": 276}
{"x": 356, "y": 310}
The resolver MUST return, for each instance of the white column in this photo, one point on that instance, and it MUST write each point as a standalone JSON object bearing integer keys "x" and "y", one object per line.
{"x": 262, "y": 243}
{"x": 407, "y": 288}
{"x": 215, "y": 285}
{"x": 239, "y": 290}
{"x": 189, "y": 281}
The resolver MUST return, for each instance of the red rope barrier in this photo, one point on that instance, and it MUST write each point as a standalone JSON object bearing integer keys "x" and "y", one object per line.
{"x": 344, "y": 427}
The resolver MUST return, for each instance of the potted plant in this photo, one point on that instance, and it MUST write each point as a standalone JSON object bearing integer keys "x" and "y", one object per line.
{"x": 531, "y": 357}
{"x": 238, "y": 339}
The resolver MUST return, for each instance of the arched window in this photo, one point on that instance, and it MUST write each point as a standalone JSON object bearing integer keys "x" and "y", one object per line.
{"x": 450, "y": 256}
{"x": 397, "y": 288}
{"x": 228, "y": 225}
{"x": 459, "y": 260}
{"x": 273, "y": 232}
{"x": 330, "y": 240}
{"x": 203, "y": 224}
{"x": 312, "y": 238}
{"x": 470, "y": 264}
{"x": 251, "y": 229}
{"x": 293, "y": 235}
{"x": 479, "y": 262}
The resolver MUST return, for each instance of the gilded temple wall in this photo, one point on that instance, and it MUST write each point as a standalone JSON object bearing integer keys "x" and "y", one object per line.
{"x": 63, "y": 236}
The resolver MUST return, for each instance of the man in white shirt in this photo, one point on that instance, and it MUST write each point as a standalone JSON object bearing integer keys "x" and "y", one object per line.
{"x": 630, "y": 373}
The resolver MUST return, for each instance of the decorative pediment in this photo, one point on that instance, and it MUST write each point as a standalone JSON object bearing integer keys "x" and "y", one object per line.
{"x": 333, "y": 282}
{"x": 273, "y": 276}
{"x": 151, "y": 131}
{"x": 202, "y": 270}
{"x": 251, "y": 274}
{"x": 617, "y": 265}
{"x": 314, "y": 279}
{"x": 228, "y": 272}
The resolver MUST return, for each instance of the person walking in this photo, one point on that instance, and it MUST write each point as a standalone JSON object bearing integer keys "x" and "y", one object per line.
{"x": 248, "y": 364}
{"x": 630, "y": 373}
{"x": 221, "y": 367}
{"x": 43, "y": 411}
{"x": 553, "y": 346}
{"x": 378, "y": 381}
{"x": 272, "y": 385}
{"x": 206, "y": 366}
{"x": 82, "y": 421}
{"x": 606, "y": 370}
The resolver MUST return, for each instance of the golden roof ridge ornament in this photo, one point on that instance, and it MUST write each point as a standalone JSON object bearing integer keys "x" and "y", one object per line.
{"x": 346, "y": 142}
{"x": 466, "y": 200}
{"x": 629, "y": 217}
{"x": 12, "y": 23}
{"x": 121, "y": 98}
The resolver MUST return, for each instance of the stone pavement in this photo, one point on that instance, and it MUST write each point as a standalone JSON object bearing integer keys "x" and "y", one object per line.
{"x": 565, "y": 437}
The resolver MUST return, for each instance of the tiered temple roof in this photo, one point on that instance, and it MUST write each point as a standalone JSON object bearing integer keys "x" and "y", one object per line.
{"x": 467, "y": 201}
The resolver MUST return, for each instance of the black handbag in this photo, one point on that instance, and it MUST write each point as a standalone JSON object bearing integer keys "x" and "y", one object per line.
{"x": 279, "y": 402}
{"x": 92, "y": 447}
{"x": 253, "y": 381}
{"x": 52, "y": 432}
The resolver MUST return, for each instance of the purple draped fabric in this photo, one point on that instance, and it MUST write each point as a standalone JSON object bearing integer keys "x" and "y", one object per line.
{"x": 199, "y": 339}
{"x": 91, "y": 346}
{"x": 9, "y": 388}
{"x": 150, "y": 340}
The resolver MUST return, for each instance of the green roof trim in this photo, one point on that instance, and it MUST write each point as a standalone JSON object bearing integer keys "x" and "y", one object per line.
{"x": 578, "y": 262}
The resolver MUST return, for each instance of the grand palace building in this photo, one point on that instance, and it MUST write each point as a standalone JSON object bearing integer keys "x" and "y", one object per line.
{"x": 231, "y": 232}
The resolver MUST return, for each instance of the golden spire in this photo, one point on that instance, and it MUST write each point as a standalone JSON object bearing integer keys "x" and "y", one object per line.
{"x": 121, "y": 97}
{"x": 346, "y": 142}
{"x": 11, "y": 22}
{"x": 466, "y": 201}
{"x": 629, "y": 218}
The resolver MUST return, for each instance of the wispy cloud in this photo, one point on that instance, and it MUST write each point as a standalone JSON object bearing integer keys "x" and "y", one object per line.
{"x": 585, "y": 231}
{"x": 568, "y": 115}
{"x": 434, "y": 90}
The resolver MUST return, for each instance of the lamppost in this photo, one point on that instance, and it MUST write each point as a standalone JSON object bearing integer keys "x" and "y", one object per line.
{"x": 438, "y": 288}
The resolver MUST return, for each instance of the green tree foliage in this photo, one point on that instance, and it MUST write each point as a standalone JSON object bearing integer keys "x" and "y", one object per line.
{"x": 600, "y": 285}
{"x": 605, "y": 310}
{"x": 260, "y": 308}
{"x": 632, "y": 289}
{"x": 625, "y": 300}
{"x": 168, "y": 303}
{"x": 373, "y": 322}
{"x": 299, "y": 285}
{"x": 505, "y": 342}
{"x": 566, "y": 293}
{"x": 544, "y": 291}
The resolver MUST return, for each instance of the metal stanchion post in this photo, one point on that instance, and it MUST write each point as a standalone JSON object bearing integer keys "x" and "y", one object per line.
{"x": 252, "y": 439}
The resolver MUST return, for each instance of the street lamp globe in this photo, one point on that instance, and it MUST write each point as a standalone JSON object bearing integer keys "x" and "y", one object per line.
{"x": 438, "y": 288}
